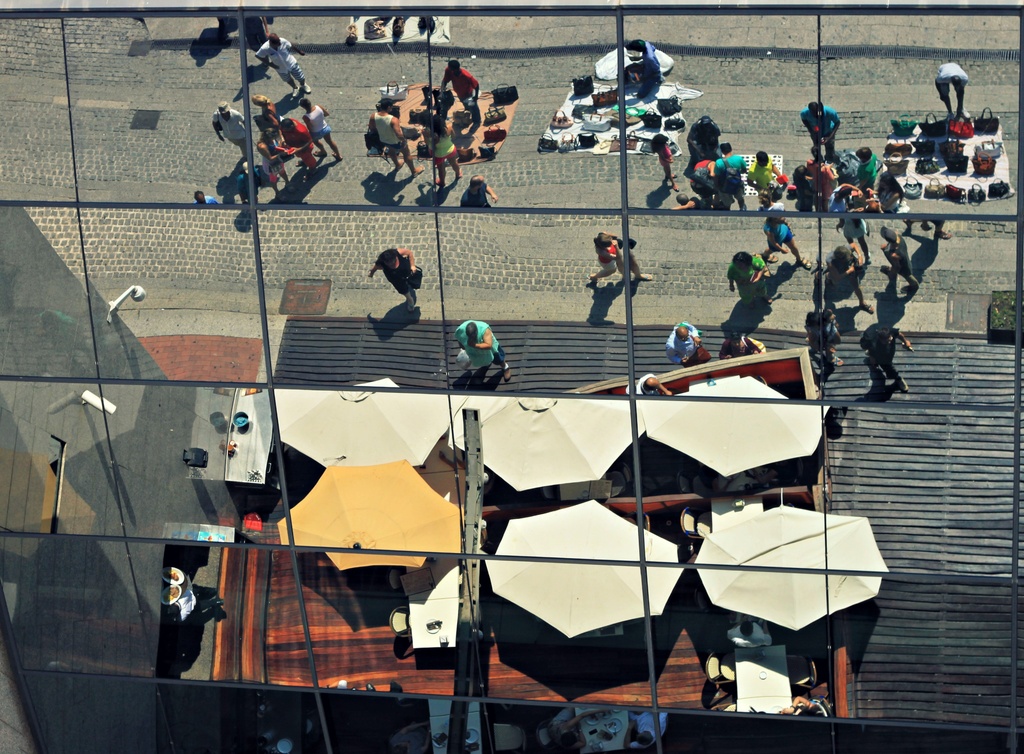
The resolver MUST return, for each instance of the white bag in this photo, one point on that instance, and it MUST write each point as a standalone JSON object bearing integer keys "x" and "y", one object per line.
{"x": 394, "y": 90}
{"x": 992, "y": 148}
{"x": 596, "y": 122}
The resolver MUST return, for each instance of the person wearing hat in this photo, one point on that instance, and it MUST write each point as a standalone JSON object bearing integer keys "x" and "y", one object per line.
{"x": 230, "y": 125}
{"x": 684, "y": 348}
{"x": 466, "y": 88}
{"x": 895, "y": 251}
{"x": 277, "y": 53}
{"x": 646, "y": 72}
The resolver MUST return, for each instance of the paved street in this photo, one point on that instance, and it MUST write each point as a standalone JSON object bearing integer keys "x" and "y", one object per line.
{"x": 200, "y": 273}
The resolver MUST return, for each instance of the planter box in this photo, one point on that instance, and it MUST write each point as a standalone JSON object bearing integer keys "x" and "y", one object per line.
{"x": 1002, "y": 317}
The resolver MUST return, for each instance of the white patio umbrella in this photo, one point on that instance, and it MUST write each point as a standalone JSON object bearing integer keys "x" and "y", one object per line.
{"x": 791, "y": 538}
{"x": 533, "y": 442}
{"x": 578, "y": 598}
{"x": 362, "y": 428}
{"x": 734, "y": 437}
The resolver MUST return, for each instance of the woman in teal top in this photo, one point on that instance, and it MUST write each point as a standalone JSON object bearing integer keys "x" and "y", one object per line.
{"x": 442, "y": 146}
{"x": 481, "y": 347}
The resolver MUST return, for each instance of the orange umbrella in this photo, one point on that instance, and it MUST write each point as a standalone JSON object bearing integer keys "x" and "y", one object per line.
{"x": 384, "y": 507}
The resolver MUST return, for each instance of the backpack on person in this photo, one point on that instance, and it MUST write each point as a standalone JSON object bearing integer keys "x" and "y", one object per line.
{"x": 733, "y": 182}
{"x": 847, "y": 165}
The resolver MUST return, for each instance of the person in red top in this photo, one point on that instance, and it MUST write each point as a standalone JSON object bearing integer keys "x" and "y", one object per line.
{"x": 822, "y": 177}
{"x": 297, "y": 137}
{"x": 466, "y": 88}
{"x": 609, "y": 256}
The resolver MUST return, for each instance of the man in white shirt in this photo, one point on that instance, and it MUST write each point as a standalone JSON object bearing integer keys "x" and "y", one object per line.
{"x": 229, "y": 124}
{"x": 651, "y": 385}
{"x": 750, "y": 634}
{"x": 951, "y": 73}
{"x": 640, "y": 732}
{"x": 277, "y": 53}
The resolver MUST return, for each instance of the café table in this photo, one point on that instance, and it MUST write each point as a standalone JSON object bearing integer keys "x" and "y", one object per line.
{"x": 762, "y": 679}
{"x": 604, "y": 730}
{"x": 440, "y": 714}
{"x": 731, "y": 511}
{"x": 434, "y": 613}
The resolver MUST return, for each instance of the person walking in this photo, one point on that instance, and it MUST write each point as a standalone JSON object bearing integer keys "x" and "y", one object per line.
{"x": 466, "y": 88}
{"x": 880, "y": 347}
{"x": 950, "y": 74}
{"x": 297, "y": 137}
{"x": 276, "y": 52}
{"x": 399, "y": 267}
{"x": 844, "y": 263}
{"x": 266, "y": 119}
{"x": 822, "y": 335}
{"x": 702, "y": 141}
{"x": 822, "y": 124}
{"x": 683, "y": 346}
{"x": 748, "y": 274}
{"x": 609, "y": 256}
{"x": 478, "y": 193}
{"x": 389, "y": 129}
{"x": 482, "y": 348}
{"x": 895, "y": 251}
{"x": 822, "y": 179}
{"x": 660, "y": 146}
{"x": 441, "y": 142}
{"x": 729, "y": 172}
{"x": 229, "y": 125}
{"x": 940, "y": 233}
{"x": 318, "y": 128}
{"x": 781, "y": 239}
{"x": 645, "y": 72}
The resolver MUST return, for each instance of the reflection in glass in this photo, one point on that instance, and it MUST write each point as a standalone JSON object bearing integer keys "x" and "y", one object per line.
{"x": 186, "y": 261}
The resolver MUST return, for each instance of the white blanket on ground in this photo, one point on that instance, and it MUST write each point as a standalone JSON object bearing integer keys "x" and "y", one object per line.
{"x": 650, "y": 102}
{"x": 607, "y": 68}
{"x": 963, "y": 180}
{"x": 441, "y": 35}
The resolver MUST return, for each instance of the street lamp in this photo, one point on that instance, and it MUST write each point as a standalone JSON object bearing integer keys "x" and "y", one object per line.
{"x": 136, "y": 292}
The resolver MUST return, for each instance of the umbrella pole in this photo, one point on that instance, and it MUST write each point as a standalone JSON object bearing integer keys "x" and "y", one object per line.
{"x": 469, "y": 613}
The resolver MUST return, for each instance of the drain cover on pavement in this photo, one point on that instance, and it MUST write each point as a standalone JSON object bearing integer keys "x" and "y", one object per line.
{"x": 967, "y": 312}
{"x": 305, "y": 297}
{"x": 145, "y": 120}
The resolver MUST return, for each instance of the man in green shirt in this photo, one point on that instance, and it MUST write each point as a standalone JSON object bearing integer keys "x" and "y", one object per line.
{"x": 481, "y": 347}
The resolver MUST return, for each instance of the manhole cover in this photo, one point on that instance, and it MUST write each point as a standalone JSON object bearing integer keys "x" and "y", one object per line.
{"x": 139, "y": 48}
{"x": 967, "y": 312}
{"x": 145, "y": 120}
{"x": 305, "y": 297}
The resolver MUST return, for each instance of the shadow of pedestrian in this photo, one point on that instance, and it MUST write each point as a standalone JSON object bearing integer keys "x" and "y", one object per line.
{"x": 227, "y": 187}
{"x": 243, "y": 222}
{"x": 924, "y": 257}
{"x": 603, "y": 297}
{"x": 207, "y": 46}
{"x": 746, "y": 319}
{"x": 384, "y": 190}
{"x": 478, "y": 379}
{"x": 394, "y": 321}
{"x": 657, "y": 197}
{"x": 879, "y": 391}
{"x": 889, "y": 306}
{"x": 298, "y": 187}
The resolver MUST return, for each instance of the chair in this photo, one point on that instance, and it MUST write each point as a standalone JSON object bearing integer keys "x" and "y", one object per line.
{"x": 544, "y": 739}
{"x": 395, "y": 578}
{"x": 721, "y": 668}
{"x": 695, "y": 524}
{"x": 509, "y": 738}
{"x": 400, "y": 621}
{"x": 824, "y": 704}
{"x": 802, "y": 673}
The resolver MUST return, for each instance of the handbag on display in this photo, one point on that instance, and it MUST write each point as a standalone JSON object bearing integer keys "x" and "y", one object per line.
{"x": 561, "y": 120}
{"x": 912, "y": 189}
{"x": 961, "y": 128}
{"x": 505, "y": 95}
{"x": 394, "y": 90}
{"x": 644, "y": 146}
{"x": 956, "y": 194}
{"x": 605, "y": 98}
{"x": 374, "y": 28}
{"x": 957, "y": 164}
{"x": 596, "y": 122}
{"x": 992, "y": 148}
{"x": 462, "y": 118}
{"x": 420, "y": 116}
{"x": 494, "y": 114}
{"x": 986, "y": 124}
{"x": 934, "y": 189}
{"x": 466, "y": 154}
{"x": 669, "y": 106}
{"x": 983, "y": 164}
{"x": 578, "y": 111}
{"x": 932, "y": 126}
{"x": 496, "y": 134}
{"x": 488, "y": 153}
{"x": 373, "y": 142}
{"x": 422, "y": 150}
{"x": 567, "y": 143}
{"x": 976, "y": 195}
{"x": 586, "y": 140}
{"x": 903, "y": 126}
{"x": 951, "y": 148}
{"x": 999, "y": 189}
{"x": 892, "y": 148}
{"x": 674, "y": 124}
{"x": 923, "y": 147}
{"x": 410, "y": 134}
{"x": 583, "y": 86}
{"x": 547, "y": 144}
{"x": 896, "y": 165}
{"x": 631, "y": 144}
{"x": 651, "y": 120}
{"x": 927, "y": 166}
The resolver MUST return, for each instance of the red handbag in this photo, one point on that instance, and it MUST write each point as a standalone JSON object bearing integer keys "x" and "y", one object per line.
{"x": 961, "y": 128}
{"x": 956, "y": 194}
{"x": 495, "y": 134}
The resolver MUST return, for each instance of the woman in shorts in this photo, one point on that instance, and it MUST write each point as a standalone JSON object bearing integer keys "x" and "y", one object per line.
{"x": 318, "y": 128}
{"x": 609, "y": 256}
{"x": 441, "y": 140}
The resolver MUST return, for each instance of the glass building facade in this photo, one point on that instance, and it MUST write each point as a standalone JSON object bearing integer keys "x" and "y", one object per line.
{"x": 210, "y": 414}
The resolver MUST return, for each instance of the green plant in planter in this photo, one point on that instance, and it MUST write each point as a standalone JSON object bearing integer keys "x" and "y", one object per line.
{"x": 1002, "y": 316}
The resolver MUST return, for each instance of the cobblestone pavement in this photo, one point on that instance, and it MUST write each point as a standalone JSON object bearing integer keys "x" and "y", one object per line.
{"x": 202, "y": 277}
